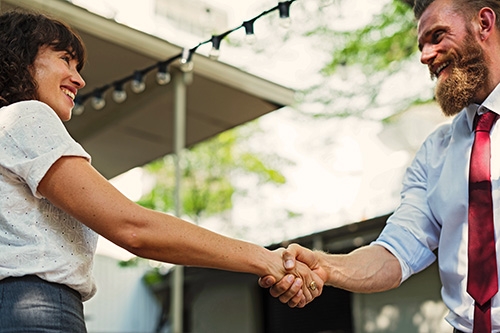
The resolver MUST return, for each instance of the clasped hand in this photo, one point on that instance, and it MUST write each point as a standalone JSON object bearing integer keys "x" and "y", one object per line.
{"x": 303, "y": 280}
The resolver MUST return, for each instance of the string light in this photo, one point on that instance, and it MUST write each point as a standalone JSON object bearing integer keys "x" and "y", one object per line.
{"x": 186, "y": 60}
{"x": 78, "y": 108}
{"x": 284, "y": 11}
{"x": 119, "y": 95}
{"x": 216, "y": 40}
{"x": 138, "y": 85}
{"x": 249, "y": 32}
{"x": 97, "y": 101}
{"x": 163, "y": 77}
{"x": 215, "y": 51}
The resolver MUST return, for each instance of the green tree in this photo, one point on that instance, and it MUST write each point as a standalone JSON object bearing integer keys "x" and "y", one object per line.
{"x": 372, "y": 54}
{"x": 207, "y": 171}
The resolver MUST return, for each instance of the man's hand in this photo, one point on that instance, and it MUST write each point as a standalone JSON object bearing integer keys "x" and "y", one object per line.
{"x": 289, "y": 289}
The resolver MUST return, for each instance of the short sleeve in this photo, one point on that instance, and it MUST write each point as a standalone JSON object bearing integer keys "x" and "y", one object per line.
{"x": 33, "y": 139}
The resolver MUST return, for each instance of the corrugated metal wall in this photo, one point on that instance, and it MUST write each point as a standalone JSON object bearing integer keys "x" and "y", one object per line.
{"x": 122, "y": 304}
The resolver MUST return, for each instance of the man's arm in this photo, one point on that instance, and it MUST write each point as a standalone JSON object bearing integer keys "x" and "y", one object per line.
{"x": 365, "y": 270}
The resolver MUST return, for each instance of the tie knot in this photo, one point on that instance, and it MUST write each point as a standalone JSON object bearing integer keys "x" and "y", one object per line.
{"x": 485, "y": 121}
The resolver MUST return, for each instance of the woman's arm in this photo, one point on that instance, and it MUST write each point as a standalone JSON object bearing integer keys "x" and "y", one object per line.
{"x": 73, "y": 185}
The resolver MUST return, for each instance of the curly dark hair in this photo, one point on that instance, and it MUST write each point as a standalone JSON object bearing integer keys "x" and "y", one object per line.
{"x": 22, "y": 33}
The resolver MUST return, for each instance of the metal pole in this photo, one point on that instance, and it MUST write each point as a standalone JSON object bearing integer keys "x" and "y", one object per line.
{"x": 177, "y": 295}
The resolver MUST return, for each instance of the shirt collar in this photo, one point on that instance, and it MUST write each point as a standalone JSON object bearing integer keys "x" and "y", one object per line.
{"x": 491, "y": 103}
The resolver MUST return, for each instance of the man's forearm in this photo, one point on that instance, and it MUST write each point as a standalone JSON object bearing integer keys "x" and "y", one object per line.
{"x": 365, "y": 270}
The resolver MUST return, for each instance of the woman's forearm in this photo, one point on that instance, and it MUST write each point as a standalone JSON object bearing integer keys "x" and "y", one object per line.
{"x": 73, "y": 185}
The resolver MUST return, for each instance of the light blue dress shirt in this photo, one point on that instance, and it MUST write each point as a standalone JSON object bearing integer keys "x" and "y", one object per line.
{"x": 432, "y": 215}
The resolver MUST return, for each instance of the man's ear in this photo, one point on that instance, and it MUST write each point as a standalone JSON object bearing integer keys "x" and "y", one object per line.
{"x": 487, "y": 21}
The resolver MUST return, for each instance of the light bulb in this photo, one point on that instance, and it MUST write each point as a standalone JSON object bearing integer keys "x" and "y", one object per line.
{"x": 187, "y": 67}
{"x": 249, "y": 32}
{"x": 163, "y": 75}
{"x": 214, "y": 53}
{"x": 285, "y": 22}
{"x": 119, "y": 95}
{"x": 98, "y": 102}
{"x": 162, "y": 78}
{"x": 250, "y": 39}
{"x": 284, "y": 10}
{"x": 138, "y": 85}
{"x": 78, "y": 109}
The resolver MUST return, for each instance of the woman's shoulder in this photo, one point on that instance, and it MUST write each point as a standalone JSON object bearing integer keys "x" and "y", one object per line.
{"x": 31, "y": 110}
{"x": 26, "y": 106}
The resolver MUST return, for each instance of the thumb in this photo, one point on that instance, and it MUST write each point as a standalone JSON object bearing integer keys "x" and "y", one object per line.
{"x": 296, "y": 252}
{"x": 289, "y": 256}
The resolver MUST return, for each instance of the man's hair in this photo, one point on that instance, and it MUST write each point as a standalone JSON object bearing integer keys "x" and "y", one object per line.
{"x": 420, "y": 6}
{"x": 467, "y": 7}
{"x": 22, "y": 34}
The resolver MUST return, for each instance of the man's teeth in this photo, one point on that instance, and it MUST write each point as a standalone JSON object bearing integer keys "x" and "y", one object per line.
{"x": 440, "y": 68}
{"x": 69, "y": 93}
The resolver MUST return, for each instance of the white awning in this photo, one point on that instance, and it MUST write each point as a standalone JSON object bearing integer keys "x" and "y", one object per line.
{"x": 122, "y": 136}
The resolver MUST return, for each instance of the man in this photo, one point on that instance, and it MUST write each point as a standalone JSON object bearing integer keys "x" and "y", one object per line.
{"x": 459, "y": 41}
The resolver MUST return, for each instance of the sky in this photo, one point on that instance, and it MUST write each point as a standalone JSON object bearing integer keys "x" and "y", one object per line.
{"x": 344, "y": 171}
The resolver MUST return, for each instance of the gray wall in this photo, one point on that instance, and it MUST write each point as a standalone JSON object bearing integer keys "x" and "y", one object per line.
{"x": 414, "y": 307}
{"x": 227, "y": 305}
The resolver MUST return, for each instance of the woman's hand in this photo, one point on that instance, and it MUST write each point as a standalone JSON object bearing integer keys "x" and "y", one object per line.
{"x": 299, "y": 285}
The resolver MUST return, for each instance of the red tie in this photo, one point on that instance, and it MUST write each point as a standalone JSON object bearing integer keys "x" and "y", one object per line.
{"x": 482, "y": 283}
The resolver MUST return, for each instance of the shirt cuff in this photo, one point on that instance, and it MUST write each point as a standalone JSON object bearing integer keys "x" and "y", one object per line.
{"x": 412, "y": 255}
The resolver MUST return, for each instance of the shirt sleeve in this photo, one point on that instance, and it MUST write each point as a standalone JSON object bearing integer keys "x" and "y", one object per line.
{"x": 412, "y": 233}
{"x": 33, "y": 139}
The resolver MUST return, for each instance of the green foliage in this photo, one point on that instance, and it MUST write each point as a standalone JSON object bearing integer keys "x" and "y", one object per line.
{"x": 359, "y": 79}
{"x": 133, "y": 262}
{"x": 389, "y": 39}
{"x": 207, "y": 188}
{"x": 153, "y": 277}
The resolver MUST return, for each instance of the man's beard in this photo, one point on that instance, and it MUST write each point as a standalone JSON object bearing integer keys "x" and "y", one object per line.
{"x": 467, "y": 77}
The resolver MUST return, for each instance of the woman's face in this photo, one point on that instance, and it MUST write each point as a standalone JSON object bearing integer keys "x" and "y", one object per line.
{"x": 58, "y": 80}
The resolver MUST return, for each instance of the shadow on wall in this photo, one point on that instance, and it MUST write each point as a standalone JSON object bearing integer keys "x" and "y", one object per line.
{"x": 414, "y": 307}
{"x": 429, "y": 319}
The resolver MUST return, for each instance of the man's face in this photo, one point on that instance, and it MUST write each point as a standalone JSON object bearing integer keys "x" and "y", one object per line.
{"x": 453, "y": 55}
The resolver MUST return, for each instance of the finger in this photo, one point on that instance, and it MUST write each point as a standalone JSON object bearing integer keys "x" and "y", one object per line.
{"x": 297, "y": 300}
{"x": 267, "y": 281}
{"x": 314, "y": 289}
{"x": 292, "y": 291}
{"x": 302, "y": 303}
{"x": 280, "y": 287}
{"x": 319, "y": 284}
{"x": 308, "y": 294}
{"x": 310, "y": 285}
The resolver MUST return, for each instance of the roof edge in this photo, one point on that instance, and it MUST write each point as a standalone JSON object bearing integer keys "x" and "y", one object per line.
{"x": 157, "y": 48}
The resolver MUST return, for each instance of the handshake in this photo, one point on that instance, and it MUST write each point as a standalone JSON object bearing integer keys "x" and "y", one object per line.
{"x": 297, "y": 275}
{"x": 303, "y": 279}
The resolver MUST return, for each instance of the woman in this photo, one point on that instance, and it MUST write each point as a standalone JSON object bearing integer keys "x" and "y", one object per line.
{"x": 54, "y": 203}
